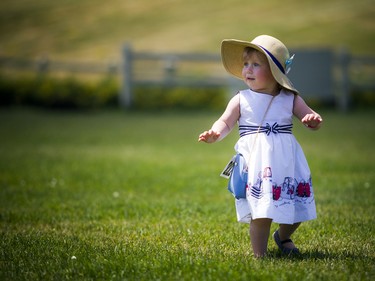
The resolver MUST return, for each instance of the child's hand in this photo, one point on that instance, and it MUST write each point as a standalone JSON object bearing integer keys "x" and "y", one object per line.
{"x": 312, "y": 121}
{"x": 209, "y": 136}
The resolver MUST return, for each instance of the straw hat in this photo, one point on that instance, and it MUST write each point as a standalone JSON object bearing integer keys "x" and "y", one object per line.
{"x": 274, "y": 50}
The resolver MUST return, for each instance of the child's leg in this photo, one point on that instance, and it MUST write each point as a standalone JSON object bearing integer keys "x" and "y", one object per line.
{"x": 259, "y": 232}
{"x": 285, "y": 231}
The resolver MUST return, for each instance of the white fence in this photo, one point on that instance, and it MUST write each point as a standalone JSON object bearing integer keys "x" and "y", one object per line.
{"x": 319, "y": 74}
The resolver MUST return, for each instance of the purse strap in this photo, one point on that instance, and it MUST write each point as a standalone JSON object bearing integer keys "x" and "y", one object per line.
{"x": 228, "y": 170}
{"x": 257, "y": 133}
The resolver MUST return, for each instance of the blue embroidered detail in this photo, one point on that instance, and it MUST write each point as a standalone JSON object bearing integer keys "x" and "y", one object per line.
{"x": 288, "y": 64}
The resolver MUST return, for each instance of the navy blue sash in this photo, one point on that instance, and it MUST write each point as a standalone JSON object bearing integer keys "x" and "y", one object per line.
{"x": 268, "y": 129}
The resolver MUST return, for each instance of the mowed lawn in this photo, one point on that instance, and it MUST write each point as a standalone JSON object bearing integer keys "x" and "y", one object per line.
{"x": 112, "y": 195}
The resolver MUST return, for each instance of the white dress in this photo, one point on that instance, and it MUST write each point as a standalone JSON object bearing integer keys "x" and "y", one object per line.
{"x": 279, "y": 179}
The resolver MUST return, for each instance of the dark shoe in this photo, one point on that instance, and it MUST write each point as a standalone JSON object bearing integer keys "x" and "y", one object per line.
{"x": 283, "y": 249}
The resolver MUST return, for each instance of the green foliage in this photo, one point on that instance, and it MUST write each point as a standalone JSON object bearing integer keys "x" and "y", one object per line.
{"x": 72, "y": 92}
{"x": 52, "y": 92}
{"x": 179, "y": 98}
{"x": 109, "y": 195}
{"x": 363, "y": 99}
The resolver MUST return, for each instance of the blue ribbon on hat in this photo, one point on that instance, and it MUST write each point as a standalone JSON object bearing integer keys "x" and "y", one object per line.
{"x": 288, "y": 62}
{"x": 278, "y": 64}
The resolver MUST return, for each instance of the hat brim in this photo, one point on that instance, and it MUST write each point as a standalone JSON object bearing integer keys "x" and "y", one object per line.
{"x": 232, "y": 58}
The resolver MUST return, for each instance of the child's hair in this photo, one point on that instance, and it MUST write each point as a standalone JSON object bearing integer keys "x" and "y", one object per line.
{"x": 248, "y": 51}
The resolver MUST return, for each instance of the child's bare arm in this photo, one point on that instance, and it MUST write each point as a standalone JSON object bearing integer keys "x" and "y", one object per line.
{"x": 305, "y": 114}
{"x": 224, "y": 124}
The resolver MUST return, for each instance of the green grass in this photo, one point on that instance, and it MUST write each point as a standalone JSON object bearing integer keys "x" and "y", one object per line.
{"x": 94, "y": 29}
{"x": 133, "y": 196}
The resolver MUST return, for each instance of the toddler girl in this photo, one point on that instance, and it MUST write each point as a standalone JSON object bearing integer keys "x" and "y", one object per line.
{"x": 279, "y": 185}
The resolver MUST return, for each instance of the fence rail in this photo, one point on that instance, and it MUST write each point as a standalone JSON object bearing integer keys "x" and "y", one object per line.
{"x": 45, "y": 65}
{"x": 359, "y": 65}
{"x": 320, "y": 74}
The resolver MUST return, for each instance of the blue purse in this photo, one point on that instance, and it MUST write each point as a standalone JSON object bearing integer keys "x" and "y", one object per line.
{"x": 237, "y": 172}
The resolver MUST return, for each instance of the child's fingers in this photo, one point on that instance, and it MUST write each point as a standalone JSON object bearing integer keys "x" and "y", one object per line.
{"x": 201, "y": 137}
{"x": 208, "y": 136}
{"x": 204, "y": 136}
{"x": 311, "y": 117}
{"x": 312, "y": 122}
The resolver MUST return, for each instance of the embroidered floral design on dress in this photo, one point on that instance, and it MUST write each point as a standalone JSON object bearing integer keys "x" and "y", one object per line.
{"x": 289, "y": 189}
{"x": 289, "y": 186}
{"x": 276, "y": 192}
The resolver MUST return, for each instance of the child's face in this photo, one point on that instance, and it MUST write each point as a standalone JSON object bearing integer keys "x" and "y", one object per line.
{"x": 257, "y": 74}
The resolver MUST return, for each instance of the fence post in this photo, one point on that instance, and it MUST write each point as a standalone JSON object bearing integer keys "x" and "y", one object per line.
{"x": 344, "y": 82}
{"x": 126, "y": 94}
{"x": 43, "y": 65}
{"x": 170, "y": 69}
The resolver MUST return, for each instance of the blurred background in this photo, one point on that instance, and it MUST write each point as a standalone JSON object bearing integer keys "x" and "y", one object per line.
{"x": 166, "y": 53}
